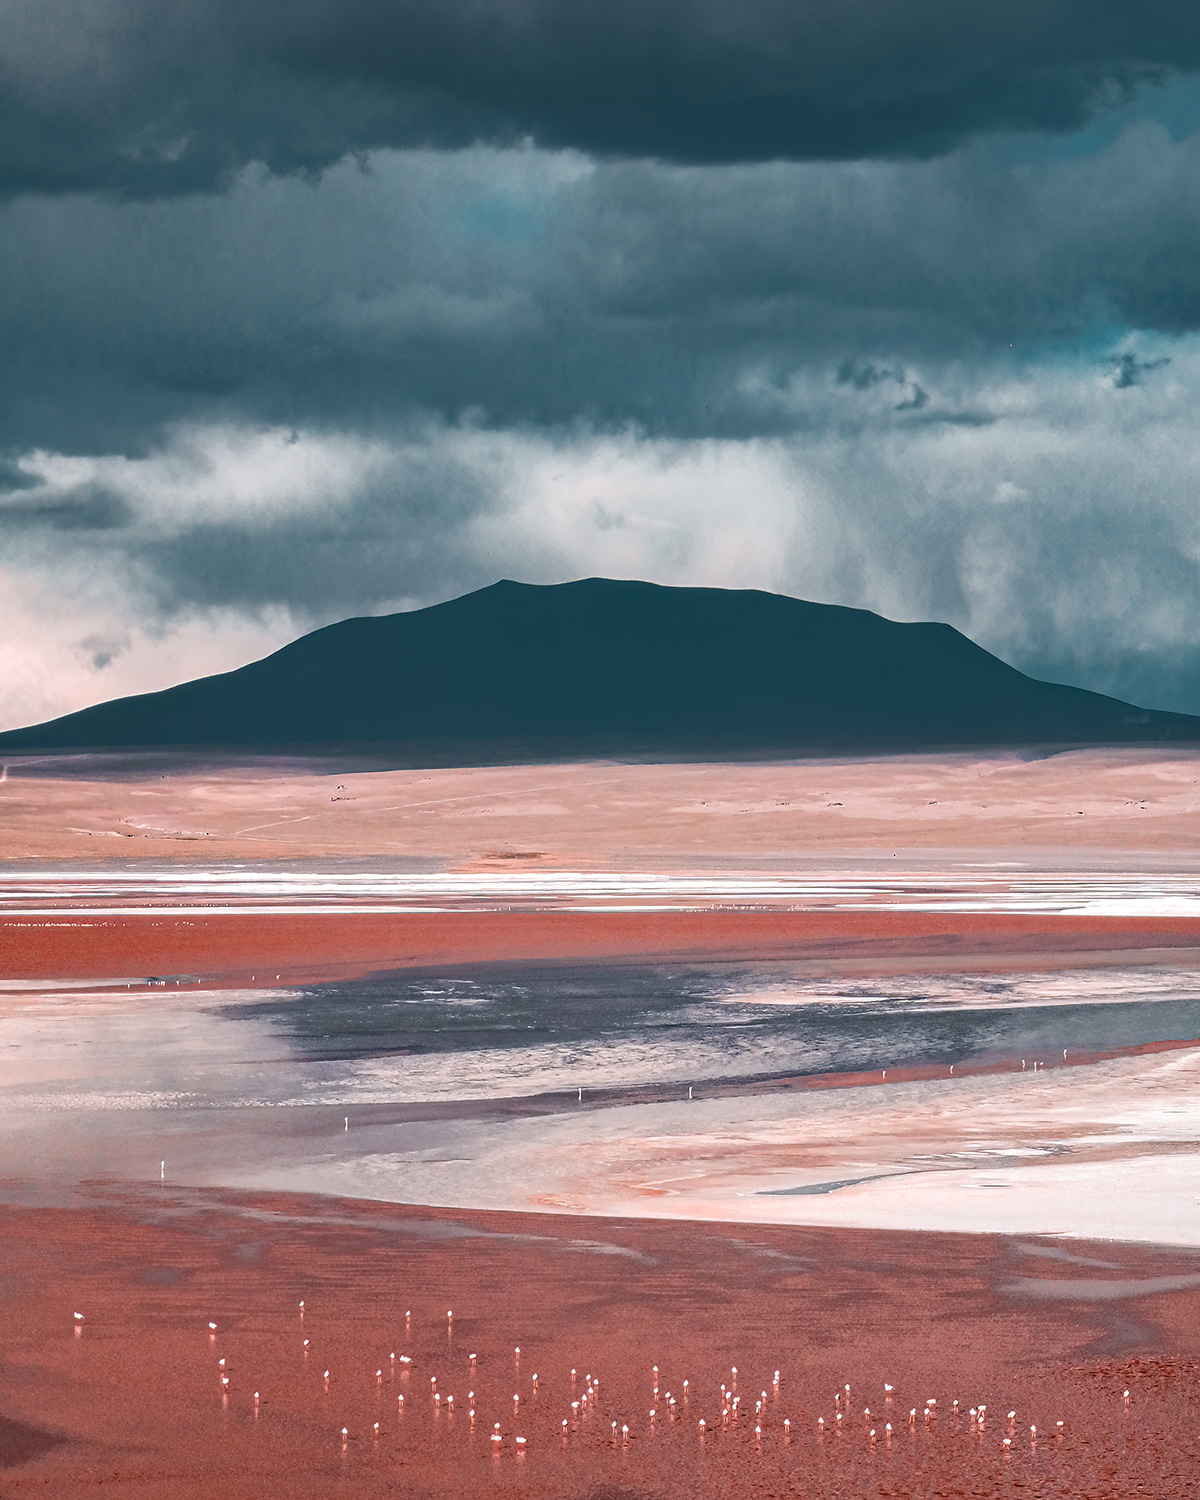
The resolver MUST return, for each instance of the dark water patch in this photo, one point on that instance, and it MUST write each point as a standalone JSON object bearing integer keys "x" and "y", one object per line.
{"x": 490, "y": 1007}
{"x": 164, "y": 1276}
{"x": 19, "y": 1443}
{"x": 1096, "y": 1289}
{"x": 818, "y": 1189}
{"x": 644, "y": 1025}
{"x": 1056, "y": 1252}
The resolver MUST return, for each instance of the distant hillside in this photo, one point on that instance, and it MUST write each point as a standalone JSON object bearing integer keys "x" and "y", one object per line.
{"x": 600, "y": 666}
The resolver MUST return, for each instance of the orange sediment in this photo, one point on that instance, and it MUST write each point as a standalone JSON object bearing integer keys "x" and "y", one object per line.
{"x": 228, "y": 946}
{"x": 134, "y": 1400}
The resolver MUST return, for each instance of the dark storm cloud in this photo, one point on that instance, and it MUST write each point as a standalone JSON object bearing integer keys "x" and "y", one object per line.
{"x": 862, "y": 375}
{"x": 149, "y": 98}
{"x": 215, "y": 519}
{"x": 88, "y": 508}
{"x": 399, "y": 534}
{"x": 534, "y": 289}
{"x": 13, "y": 477}
{"x": 1128, "y": 370}
{"x": 953, "y": 385}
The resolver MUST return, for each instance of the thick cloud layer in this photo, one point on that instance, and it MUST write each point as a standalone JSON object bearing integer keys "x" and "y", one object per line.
{"x": 535, "y": 288}
{"x": 148, "y": 98}
{"x": 283, "y": 342}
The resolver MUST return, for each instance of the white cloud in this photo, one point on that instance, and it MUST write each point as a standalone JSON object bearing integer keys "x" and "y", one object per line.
{"x": 215, "y": 473}
{"x": 702, "y": 512}
{"x": 63, "y": 649}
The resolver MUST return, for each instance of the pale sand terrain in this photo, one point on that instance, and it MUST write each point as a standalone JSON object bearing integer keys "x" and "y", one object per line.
{"x": 1090, "y": 807}
{"x": 253, "y": 835}
{"x": 1112, "y": 1150}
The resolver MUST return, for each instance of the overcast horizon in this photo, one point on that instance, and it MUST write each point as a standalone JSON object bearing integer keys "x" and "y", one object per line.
{"x": 315, "y": 311}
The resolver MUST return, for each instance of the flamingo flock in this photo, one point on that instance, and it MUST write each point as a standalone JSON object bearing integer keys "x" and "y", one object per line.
{"x": 727, "y": 1410}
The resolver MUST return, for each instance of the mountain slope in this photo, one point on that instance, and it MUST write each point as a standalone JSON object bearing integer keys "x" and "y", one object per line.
{"x": 605, "y": 666}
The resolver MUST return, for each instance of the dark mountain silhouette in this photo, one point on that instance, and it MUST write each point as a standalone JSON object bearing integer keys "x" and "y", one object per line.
{"x": 598, "y": 666}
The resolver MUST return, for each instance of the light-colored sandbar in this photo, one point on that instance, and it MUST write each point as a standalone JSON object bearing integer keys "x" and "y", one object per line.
{"x": 1109, "y": 1151}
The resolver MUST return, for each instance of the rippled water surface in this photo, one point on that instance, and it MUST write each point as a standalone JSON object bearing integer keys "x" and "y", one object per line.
{"x": 503, "y": 1086}
{"x": 497, "y": 1032}
{"x": 529, "y": 1031}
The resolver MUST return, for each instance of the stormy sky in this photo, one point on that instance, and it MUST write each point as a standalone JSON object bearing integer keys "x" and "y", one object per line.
{"x": 318, "y": 309}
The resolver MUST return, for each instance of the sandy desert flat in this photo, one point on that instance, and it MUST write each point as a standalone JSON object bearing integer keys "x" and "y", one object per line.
{"x": 1084, "y": 807}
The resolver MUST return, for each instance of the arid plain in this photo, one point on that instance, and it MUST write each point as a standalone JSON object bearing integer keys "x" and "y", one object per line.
{"x": 1134, "y": 804}
{"x": 867, "y": 1071}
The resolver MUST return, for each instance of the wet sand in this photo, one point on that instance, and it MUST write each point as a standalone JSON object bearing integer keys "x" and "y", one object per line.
{"x": 262, "y": 1091}
{"x": 133, "y": 1404}
{"x": 1108, "y": 1149}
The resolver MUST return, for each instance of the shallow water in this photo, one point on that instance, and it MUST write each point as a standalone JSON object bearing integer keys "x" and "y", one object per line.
{"x": 501, "y": 1031}
{"x": 465, "y": 1088}
{"x": 260, "y": 888}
